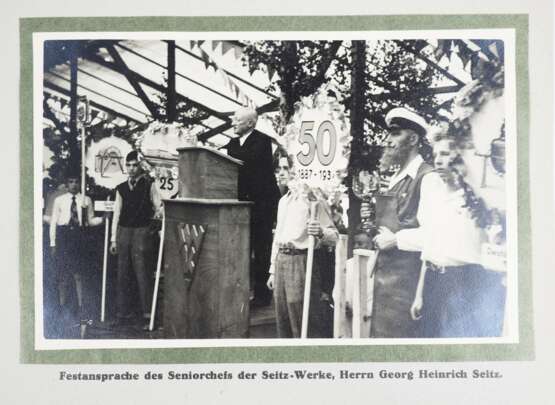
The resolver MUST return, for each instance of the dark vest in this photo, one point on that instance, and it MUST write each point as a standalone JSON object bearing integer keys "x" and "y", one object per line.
{"x": 137, "y": 209}
{"x": 407, "y": 192}
{"x": 397, "y": 271}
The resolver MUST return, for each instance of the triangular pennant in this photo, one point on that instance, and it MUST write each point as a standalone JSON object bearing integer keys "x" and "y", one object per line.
{"x": 465, "y": 54}
{"x": 226, "y": 46}
{"x": 215, "y": 45}
{"x": 271, "y": 72}
{"x": 439, "y": 52}
{"x": 237, "y": 51}
{"x": 199, "y": 43}
{"x": 493, "y": 49}
{"x": 223, "y": 76}
{"x": 205, "y": 58}
{"x": 192, "y": 44}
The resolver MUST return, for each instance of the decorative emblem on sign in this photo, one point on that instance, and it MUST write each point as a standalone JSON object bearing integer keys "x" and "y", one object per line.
{"x": 105, "y": 161}
{"x": 192, "y": 237}
{"x": 109, "y": 161}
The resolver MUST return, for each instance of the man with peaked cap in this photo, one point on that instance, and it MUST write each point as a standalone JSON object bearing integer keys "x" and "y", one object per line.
{"x": 401, "y": 212}
{"x": 257, "y": 183}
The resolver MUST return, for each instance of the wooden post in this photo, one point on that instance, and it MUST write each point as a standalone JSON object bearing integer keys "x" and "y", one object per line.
{"x": 358, "y": 57}
{"x": 73, "y": 100}
{"x": 364, "y": 262}
{"x": 171, "y": 107}
{"x": 105, "y": 267}
{"x": 308, "y": 275}
{"x": 340, "y": 329}
{"x": 158, "y": 269}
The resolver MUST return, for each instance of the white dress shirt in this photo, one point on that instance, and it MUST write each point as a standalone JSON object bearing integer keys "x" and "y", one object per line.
{"x": 291, "y": 228}
{"x": 61, "y": 213}
{"x": 447, "y": 235}
{"x": 244, "y": 137}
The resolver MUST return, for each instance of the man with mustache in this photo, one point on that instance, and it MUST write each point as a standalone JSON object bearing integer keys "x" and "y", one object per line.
{"x": 407, "y": 205}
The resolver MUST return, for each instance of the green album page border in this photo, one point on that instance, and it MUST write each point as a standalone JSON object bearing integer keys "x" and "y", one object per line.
{"x": 524, "y": 350}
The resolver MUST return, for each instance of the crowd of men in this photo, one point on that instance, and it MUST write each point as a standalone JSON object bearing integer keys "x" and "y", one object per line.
{"x": 428, "y": 281}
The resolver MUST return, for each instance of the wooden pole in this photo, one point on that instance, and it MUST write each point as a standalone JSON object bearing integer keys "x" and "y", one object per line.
{"x": 308, "y": 275}
{"x": 104, "y": 268}
{"x": 171, "y": 107}
{"x": 358, "y": 144}
{"x": 158, "y": 269}
{"x": 83, "y": 165}
{"x": 73, "y": 99}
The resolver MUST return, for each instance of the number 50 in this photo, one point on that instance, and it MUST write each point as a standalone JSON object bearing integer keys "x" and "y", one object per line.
{"x": 316, "y": 147}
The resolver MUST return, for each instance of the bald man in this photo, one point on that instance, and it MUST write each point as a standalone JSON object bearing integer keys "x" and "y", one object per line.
{"x": 257, "y": 183}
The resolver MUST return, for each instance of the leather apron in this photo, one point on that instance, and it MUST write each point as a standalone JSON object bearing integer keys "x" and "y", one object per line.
{"x": 397, "y": 271}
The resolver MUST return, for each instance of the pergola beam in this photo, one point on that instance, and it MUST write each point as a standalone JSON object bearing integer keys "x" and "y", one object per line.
{"x": 171, "y": 100}
{"x": 140, "y": 55}
{"x": 124, "y": 69}
{"x": 271, "y": 106}
{"x": 417, "y": 93}
{"x": 102, "y": 95}
{"x": 443, "y": 71}
{"x": 94, "y": 104}
{"x": 229, "y": 73}
{"x": 143, "y": 80}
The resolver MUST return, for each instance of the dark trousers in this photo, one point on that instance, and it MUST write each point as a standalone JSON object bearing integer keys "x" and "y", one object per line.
{"x": 71, "y": 260}
{"x": 133, "y": 249}
{"x": 464, "y": 301}
{"x": 262, "y": 219}
{"x": 289, "y": 283}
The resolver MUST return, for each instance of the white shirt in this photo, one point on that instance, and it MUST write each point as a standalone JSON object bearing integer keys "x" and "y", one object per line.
{"x": 291, "y": 228}
{"x": 244, "y": 137}
{"x": 446, "y": 236}
{"x": 61, "y": 213}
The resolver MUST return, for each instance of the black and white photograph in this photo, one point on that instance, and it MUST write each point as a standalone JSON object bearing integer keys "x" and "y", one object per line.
{"x": 233, "y": 189}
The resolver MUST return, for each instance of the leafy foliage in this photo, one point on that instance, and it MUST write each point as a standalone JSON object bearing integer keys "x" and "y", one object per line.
{"x": 393, "y": 77}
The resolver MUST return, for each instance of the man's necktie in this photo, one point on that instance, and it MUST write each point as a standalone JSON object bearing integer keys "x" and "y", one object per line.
{"x": 133, "y": 182}
{"x": 74, "y": 219}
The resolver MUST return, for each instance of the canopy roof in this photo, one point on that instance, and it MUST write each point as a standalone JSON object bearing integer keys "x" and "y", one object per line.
{"x": 129, "y": 80}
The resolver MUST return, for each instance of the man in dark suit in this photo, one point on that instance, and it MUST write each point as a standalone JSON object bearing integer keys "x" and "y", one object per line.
{"x": 257, "y": 183}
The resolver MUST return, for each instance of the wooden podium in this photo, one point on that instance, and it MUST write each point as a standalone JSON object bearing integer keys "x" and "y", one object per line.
{"x": 206, "y": 251}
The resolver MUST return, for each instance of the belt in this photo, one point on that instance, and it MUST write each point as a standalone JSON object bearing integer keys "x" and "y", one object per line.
{"x": 292, "y": 251}
{"x": 444, "y": 269}
{"x": 70, "y": 227}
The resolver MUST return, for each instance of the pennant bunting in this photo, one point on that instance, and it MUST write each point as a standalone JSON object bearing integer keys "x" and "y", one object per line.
{"x": 271, "y": 72}
{"x": 238, "y": 51}
{"x": 226, "y": 47}
{"x": 228, "y": 82}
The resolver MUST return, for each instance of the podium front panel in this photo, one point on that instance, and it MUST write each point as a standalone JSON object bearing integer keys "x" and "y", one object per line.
{"x": 212, "y": 301}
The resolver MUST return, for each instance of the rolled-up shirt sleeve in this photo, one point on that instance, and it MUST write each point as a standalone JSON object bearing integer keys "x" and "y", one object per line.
{"x": 54, "y": 222}
{"x": 330, "y": 235}
{"x": 432, "y": 192}
{"x": 115, "y": 221}
{"x": 156, "y": 200}
{"x": 92, "y": 220}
